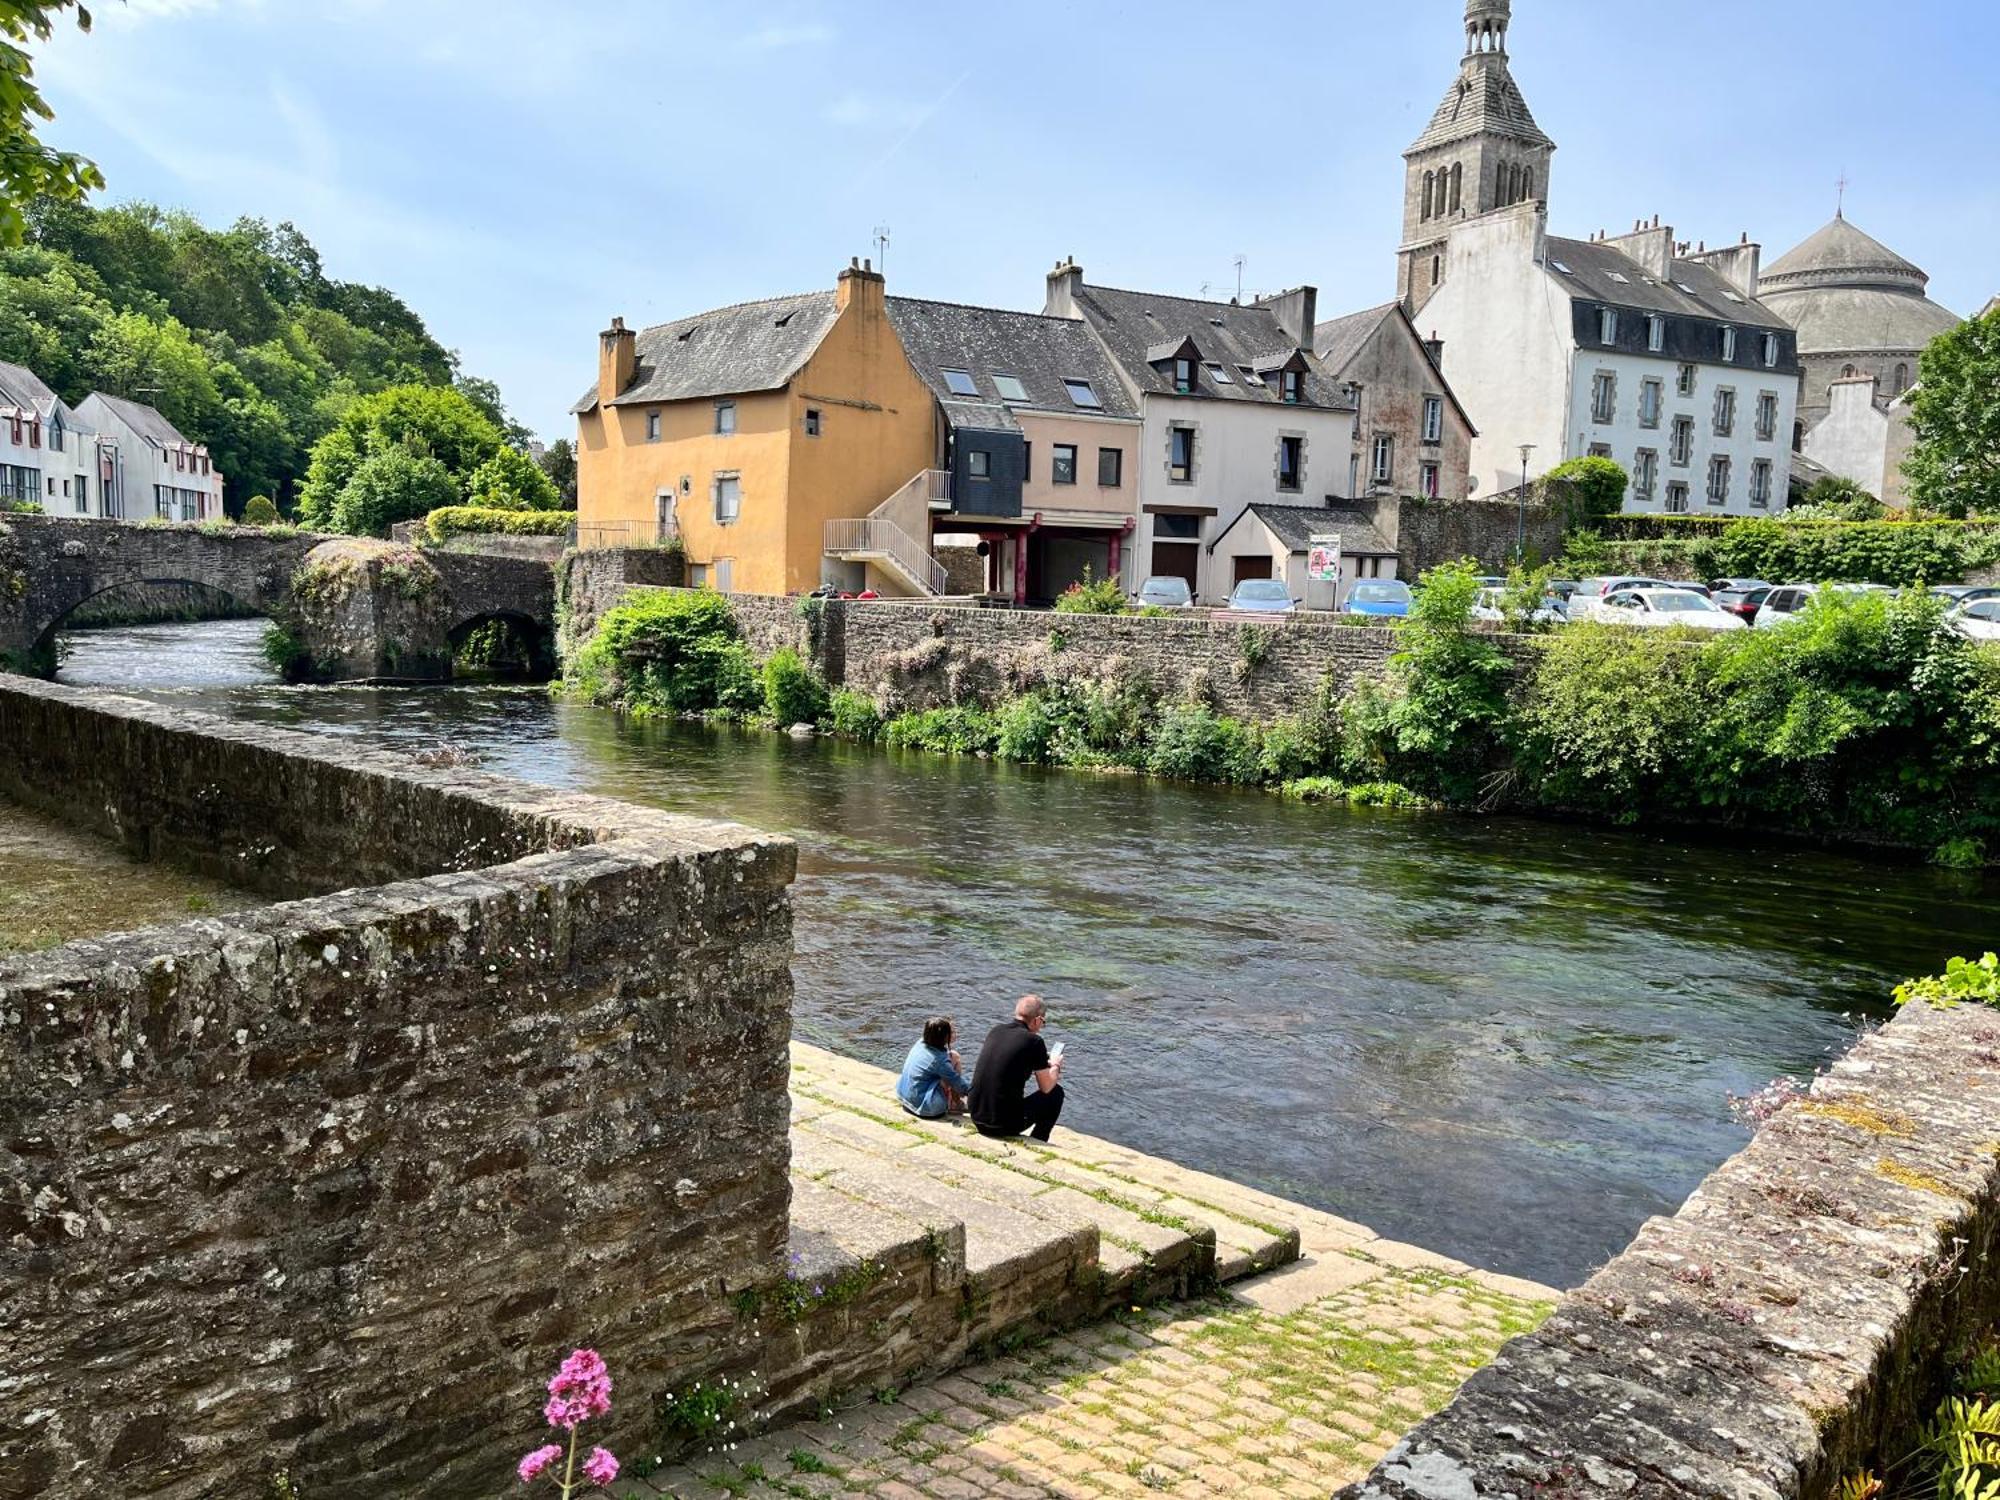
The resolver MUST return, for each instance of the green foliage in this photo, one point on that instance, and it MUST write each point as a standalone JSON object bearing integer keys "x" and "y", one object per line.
{"x": 1835, "y": 497}
{"x": 1253, "y": 647}
{"x": 259, "y": 511}
{"x": 1192, "y": 743}
{"x": 471, "y": 520}
{"x": 390, "y": 486}
{"x": 699, "y": 1413}
{"x": 1103, "y": 596}
{"x": 1590, "y": 489}
{"x": 559, "y": 463}
{"x": 673, "y": 652}
{"x": 959, "y": 730}
{"x": 1964, "y": 979}
{"x": 1028, "y": 730}
{"x": 1356, "y": 794}
{"x": 1898, "y": 552}
{"x": 854, "y": 715}
{"x": 435, "y": 424}
{"x": 792, "y": 694}
{"x": 28, "y": 169}
{"x": 510, "y": 480}
{"x": 1524, "y": 596}
{"x": 1962, "y": 1445}
{"x": 1954, "y": 463}
{"x": 287, "y": 654}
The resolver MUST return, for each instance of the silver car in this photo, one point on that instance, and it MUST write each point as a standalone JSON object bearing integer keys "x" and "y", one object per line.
{"x": 1165, "y": 591}
{"x": 1263, "y": 596}
{"x": 1663, "y": 609}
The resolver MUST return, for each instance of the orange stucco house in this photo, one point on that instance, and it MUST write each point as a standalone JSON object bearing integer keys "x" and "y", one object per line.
{"x": 744, "y": 431}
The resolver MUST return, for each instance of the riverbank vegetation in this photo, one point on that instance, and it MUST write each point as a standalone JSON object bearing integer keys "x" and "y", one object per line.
{"x": 1868, "y": 720}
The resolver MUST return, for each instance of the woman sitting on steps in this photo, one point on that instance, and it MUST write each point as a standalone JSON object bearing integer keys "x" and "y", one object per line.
{"x": 932, "y": 1086}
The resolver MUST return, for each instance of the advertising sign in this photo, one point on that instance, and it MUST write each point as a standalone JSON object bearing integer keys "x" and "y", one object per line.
{"x": 1323, "y": 559}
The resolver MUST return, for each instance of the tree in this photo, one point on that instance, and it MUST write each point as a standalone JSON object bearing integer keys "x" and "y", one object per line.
{"x": 390, "y": 486}
{"x": 559, "y": 463}
{"x": 509, "y": 480}
{"x": 1592, "y": 489}
{"x": 1954, "y": 464}
{"x": 485, "y": 394}
{"x": 1835, "y": 497}
{"x": 28, "y": 169}
{"x": 429, "y": 422}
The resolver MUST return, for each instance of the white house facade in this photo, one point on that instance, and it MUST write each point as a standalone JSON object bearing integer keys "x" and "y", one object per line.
{"x": 47, "y": 456}
{"x": 146, "y": 469}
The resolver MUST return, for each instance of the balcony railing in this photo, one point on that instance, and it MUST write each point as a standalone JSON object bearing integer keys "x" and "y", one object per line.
{"x": 878, "y": 537}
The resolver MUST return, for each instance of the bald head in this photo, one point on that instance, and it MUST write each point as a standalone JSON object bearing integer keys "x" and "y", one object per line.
{"x": 1029, "y": 1009}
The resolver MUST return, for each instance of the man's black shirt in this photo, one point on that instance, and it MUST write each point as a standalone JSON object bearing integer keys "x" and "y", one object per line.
{"x": 1011, "y": 1055}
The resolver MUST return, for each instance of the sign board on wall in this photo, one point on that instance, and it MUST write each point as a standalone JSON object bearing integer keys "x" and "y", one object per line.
{"x": 1323, "y": 559}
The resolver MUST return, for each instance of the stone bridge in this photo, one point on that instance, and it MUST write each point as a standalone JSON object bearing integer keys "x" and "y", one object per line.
{"x": 353, "y": 608}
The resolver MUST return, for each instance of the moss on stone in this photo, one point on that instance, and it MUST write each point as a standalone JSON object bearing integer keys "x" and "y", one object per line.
{"x": 1858, "y": 1116}
{"x": 1910, "y": 1177}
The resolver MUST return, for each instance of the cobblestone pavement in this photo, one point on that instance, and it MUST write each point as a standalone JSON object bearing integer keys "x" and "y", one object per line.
{"x": 1290, "y": 1385}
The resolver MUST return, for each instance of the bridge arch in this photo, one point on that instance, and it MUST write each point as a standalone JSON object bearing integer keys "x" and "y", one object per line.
{"x": 508, "y": 642}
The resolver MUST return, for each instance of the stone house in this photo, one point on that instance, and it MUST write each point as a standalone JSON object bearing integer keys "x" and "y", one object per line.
{"x": 1272, "y": 541}
{"x": 1037, "y": 439}
{"x": 781, "y": 442}
{"x": 1413, "y": 437}
{"x": 145, "y": 468}
{"x": 1235, "y": 410}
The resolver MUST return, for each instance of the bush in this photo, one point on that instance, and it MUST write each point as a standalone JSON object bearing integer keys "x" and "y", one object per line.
{"x": 792, "y": 694}
{"x": 510, "y": 480}
{"x": 259, "y": 511}
{"x": 854, "y": 715}
{"x": 1191, "y": 743}
{"x": 945, "y": 731}
{"x": 393, "y": 485}
{"x": 1590, "y": 489}
{"x": 1102, "y": 597}
{"x": 476, "y": 520}
{"x": 670, "y": 651}
{"x": 1837, "y": 498}
{"x": 1028, "y": 730}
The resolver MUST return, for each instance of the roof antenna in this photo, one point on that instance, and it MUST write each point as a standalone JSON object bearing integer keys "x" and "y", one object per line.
{"x": 1840, "y": 203}
{"x": 882, "y": 248}
{"x": 1239, "y": 275}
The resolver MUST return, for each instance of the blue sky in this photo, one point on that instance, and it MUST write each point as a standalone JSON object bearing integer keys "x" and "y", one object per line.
{"x": 519, "y": 172}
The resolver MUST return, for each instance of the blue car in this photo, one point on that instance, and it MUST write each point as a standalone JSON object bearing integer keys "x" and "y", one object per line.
{"x": 1379, "y": 596}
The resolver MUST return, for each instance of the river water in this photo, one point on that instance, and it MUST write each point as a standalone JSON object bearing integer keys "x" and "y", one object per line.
{"x": 1507, "y": 1040}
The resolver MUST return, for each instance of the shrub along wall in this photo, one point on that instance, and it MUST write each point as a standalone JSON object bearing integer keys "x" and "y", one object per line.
{"x": 1898, "y": 553}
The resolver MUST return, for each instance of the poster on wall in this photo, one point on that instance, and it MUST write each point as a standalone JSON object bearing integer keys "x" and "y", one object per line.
{"x": 1323, "y": 559}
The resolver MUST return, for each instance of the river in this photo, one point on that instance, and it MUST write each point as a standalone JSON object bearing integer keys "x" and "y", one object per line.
{"x": 1509, "y": 1041}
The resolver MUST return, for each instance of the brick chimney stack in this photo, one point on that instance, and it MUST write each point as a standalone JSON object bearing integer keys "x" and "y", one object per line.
{"x": 617, "y": 358}
{"x": 860, "y": 284}
{"x": 1064, "y": 281}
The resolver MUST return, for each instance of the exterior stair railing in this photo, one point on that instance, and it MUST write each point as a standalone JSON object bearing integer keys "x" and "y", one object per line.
{"x": 890, "y": 532}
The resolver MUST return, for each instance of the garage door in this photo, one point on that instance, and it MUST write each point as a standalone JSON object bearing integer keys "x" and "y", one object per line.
{"x": 1176, "y": 560}
{"x": 1250, "y": 567}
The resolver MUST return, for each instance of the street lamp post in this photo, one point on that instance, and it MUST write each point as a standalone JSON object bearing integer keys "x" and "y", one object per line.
{"x": 1521, "y": 508}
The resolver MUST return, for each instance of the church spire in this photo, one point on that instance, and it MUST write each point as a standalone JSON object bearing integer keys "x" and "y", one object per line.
{"x": 1486, "y": 26}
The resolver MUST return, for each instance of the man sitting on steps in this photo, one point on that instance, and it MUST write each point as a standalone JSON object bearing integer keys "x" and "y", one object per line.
{"x": 1014, "y": 1053}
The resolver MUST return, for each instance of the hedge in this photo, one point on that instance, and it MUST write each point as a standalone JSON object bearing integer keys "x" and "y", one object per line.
{"x": 1898, "y": 553}
{"x": 478, "y": 520}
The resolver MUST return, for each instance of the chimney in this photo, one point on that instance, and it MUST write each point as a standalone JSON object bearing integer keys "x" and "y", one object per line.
{"x": 1434, "y": 347}
{"x": 617, "y": 358}
{"x": 1651, "y": 245}
{"x": 1295, "y": 310}
{"x": 859, "y": 285}
{"x": 1064, "y": 283}
{"x": 1738, "y": 264}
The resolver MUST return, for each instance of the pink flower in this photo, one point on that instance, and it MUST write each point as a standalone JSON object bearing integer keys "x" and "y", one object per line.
{"x": 581, "y": 1390}
{"x": 600, "y": 1467}
{"x": 540, "y": 1459}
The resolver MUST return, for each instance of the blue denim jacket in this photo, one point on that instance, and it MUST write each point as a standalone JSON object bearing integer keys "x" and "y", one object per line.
{"x": 925, "y": 1072}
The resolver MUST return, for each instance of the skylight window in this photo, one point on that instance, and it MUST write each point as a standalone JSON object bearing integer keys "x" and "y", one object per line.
{"x": 960, "y": 382}
{"x": 1562, "y": 268}
{"x": 1249, "y": 375}
{"x": 1620, "y": 277}
{"x": 1685, "y": 287}
{"x": 1733, "y": 296}
{"x": 1220, "y": 373}
{"x": 1010, "y": 388}
{"x": 1081, "y": 393}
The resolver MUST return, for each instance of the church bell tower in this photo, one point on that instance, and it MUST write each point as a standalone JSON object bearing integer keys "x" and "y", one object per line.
{"x": 1482, "y": 151}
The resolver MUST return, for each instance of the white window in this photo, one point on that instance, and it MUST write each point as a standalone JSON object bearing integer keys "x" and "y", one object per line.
{"x": 1081, "y": 393}
{"x": 1433, "y": 419}
{"x": 697, "y": 575}
{"x": 1603, "y": 396}
{"x": 1651, "y": 393}
{"x": 1681, "y": 450}
{"x": 1725, "y": 412}
{"x": 960, "y": 382}
{"x": 1607, "y": 326}
{"x": 1684, "y": 386}
{"x": 1760, "y": 483}
{"x": 1428, "y": 481}
{"x": 728, "y": 498}
{"x": 652, "y": 427}
{"x": 1384, "y": 459}
{"x": 1729, "y": 346}
{"x": 1770, "y": 349}
{"x": 1219, "y": 374}
{"x": 1645, "y": 475}
{"x": 1718, "y": 479}
{"x": 1677, "y": 499}
{"x": 725, "y": 418}
{"x": 725, "y": 575}
{"x": 1656, "y": 333}
{"x": 1767, "y": 416}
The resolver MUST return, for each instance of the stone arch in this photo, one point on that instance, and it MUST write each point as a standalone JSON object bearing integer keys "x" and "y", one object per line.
{"x": 1430, "y": 187}
{"x": 1457, "y": 180}
{"x": 533, "y": 644}
{"x": 44, "y": 645}
{"x": 1902, "y": 378}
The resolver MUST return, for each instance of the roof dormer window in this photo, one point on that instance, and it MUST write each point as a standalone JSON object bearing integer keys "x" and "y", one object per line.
{"x": 1183, "y": 375}
{"x": 1656, "y": 333}
{"x": 1291, "y": 387}
{"x": 1729, "y": 346}
{"x": 1770, "y": 349}
{"x": 1607, "y": 325}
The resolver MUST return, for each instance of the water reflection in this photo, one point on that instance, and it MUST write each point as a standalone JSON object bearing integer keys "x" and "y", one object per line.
{"x": 1507, "y": 1040}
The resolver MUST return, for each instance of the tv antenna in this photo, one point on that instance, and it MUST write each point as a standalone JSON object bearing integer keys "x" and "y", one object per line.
{"x": 882, "y": 248}
{"x": 1239, "y": 259}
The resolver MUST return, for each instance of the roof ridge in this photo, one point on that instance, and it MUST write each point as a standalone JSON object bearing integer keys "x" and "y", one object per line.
{"x": 982, "y": 307}
{"x": 736, "y": 307}
{"x": 1127, "y": 291}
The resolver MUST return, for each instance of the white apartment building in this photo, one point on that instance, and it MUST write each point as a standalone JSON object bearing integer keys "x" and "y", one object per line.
{"x": 146, "y": 469}
{"x": 47, "y": 457}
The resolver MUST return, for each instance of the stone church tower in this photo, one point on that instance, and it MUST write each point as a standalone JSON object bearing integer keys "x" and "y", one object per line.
{"x": 1482, "y": 151}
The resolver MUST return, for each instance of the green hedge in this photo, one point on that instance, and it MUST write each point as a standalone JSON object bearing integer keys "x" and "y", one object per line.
{"x": 479, "y": 520}
{"x": 1898, "y": 553}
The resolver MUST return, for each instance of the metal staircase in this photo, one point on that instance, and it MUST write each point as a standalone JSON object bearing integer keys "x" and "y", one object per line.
{"x": 888, "y": 535}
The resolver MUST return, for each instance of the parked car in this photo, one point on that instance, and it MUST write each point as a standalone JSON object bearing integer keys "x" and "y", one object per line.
{"x": 1735, "y": 585}
{"x": 1165, "y": 592}
{"x": 1742, "y": 602}
{"x": 1964, "y": 593}
{"x": 1787, "y": 600}
{"x": 1263, "y": 596}
{"x": 1592, "y": 592}
{"x": 1564, "y": 589}
{"x": 1979, "y": 619}
{"x": 1664, "y": 608}
{"x": 1379, "y": 596}
{"x": 1490, "y": 607}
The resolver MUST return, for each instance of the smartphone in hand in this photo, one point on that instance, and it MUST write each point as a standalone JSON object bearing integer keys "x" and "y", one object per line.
{"x": 1056, "y": 1052}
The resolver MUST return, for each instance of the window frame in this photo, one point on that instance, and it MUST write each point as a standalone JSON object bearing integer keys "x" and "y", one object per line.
{"x": 812, "y": 421}
{"x": 1686, "y": 379}
{"x": 1607, "y": 326}
{"x": 971, "y": 387}
{"x": 725, "y": 419}
{"x": 1767, "y": 416}
{"x": 1719, "y": 464}
{"x": 1434, "y": 419}
{"x": 1725, "y": 411}
{"x": 729, "y": 482}
{"x": 1057, "y": 450}
{"x": 979, "y": 463}
{"x": 1656, "y": 333}
{"x": 1680, "y": 442}
{"x": 1002, "y": 380}
{"x": 1072, "y": 384}
{"x": 1382, "y": 458}
{"x": 1728, "y": 344}
{"x": 1291, "y": 387}
{"x": 1117, "y": 479}
{"x": 1429, "y": 480}
{"x": 1292, "y": 455}
{"x": 1180, "y": 465}
{"x": 1603, "y": 398}
{"x": 1183, "y": 375}
{"x": 653, "y": 425}
{"x": 1652, "y": 402}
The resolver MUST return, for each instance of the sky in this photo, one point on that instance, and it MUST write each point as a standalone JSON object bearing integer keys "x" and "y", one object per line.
{"x": 520, "y": 172}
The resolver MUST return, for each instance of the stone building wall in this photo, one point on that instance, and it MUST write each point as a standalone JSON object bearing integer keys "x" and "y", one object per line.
{"x": 329, "y": 1186}
{"x": 1440, "y": 531}
{"x": 1788, "y": 1327}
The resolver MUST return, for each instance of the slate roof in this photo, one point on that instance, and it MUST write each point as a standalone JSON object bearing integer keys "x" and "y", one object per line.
{"x": 1861, "y": 320}
{"x": 1227, "y": 333}
{"x": 1338, "y": 341}
{"x": 727, "y": 351}
{"x": 1296, "y": 525}
{"x": 1039, "y": 351}
{"x": 1483, "y": 99}
{"x": 1692, "y": 288}
{"x": 142, "y": 419}
{"x": 1838, "y": 254}
{"x": 21, "y": 386}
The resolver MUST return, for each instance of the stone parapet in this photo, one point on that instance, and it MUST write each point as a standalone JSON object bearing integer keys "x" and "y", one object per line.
{"x": 1785, "y": 1328}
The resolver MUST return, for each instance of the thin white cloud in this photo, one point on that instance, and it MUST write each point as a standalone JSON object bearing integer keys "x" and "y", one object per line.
{"x": 771, "y": 38}
{"x": 869, "y": 111}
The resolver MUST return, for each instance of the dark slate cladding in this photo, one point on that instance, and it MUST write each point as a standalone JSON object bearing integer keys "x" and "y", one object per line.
{"x": 1687, "y": 340}
{"x": 1039, "y": 351}
{"x": 1134, "y": 325}
{"x": 999, "y": 493}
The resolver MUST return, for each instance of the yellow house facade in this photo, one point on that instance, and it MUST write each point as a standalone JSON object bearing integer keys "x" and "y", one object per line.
{"x": 744, "y": 430}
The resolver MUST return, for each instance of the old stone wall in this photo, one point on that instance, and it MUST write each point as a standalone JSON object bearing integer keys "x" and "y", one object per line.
{"x": 329, "y": 1186}
{"x": 589, "y": 583}
{"x": 1786, "y": 1328}
{"x": 1440, "y": 531}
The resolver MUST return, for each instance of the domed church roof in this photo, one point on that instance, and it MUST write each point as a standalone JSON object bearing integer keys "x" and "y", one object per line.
{"x": 1848, "y": 293}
